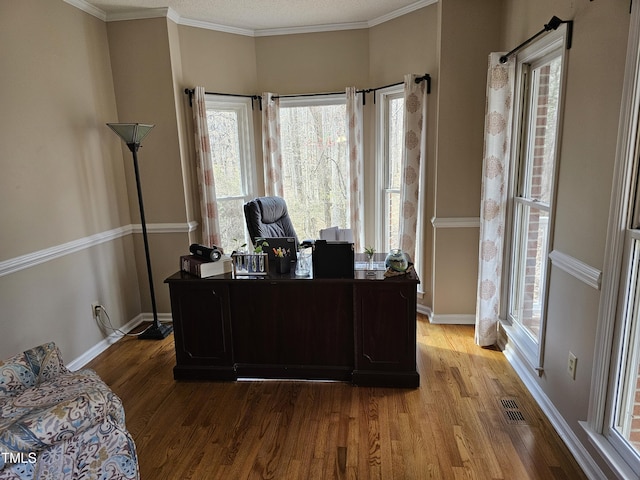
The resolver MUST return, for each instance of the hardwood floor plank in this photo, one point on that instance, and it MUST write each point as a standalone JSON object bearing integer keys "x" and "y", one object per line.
{"x": 453, "y": 427}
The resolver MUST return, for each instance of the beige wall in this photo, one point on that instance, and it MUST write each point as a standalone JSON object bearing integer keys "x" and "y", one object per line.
{"x": 63, "y": 180}
{"x": 464, "y": 48}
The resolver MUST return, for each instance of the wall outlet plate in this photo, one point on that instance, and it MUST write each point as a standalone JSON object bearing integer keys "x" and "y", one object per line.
{"x": 95, "y": 310}
{"x": 572, "y": 365}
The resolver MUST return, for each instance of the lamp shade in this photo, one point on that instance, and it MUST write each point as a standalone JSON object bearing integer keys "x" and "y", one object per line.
{"x": 131, "y": 133}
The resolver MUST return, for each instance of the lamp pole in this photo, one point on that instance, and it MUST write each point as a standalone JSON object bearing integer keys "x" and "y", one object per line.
{"x": 130, "y": 134}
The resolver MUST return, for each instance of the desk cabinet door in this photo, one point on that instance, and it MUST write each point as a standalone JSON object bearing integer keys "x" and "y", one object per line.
{"x": 202, "y": 327}
{"x": 385, "y": 330}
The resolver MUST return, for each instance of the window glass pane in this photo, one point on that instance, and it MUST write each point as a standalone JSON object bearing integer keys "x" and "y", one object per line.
{"x": 543, "y": 124}
{"x": 392, "y": 233}
{"x": 225, "y": 152}
{"x": 314, "y": 167}
{"x": 532, "y": 226}
{"x": 232, "y": 223}
{"x": 396, "y": 117}
{"x": 627, "y": 416}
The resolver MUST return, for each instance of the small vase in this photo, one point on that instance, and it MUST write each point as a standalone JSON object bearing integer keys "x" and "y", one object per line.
{"x": 283, "y": 264}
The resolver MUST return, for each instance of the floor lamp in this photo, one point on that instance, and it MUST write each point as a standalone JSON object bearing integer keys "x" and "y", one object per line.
{"x": 132, "y": 134}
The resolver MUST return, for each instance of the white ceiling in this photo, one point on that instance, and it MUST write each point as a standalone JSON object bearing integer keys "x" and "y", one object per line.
{"x": 259, "y": 17}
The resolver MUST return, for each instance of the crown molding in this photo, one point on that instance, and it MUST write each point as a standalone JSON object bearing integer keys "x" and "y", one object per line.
{"x": 87, "y": 8}
{"x": 142, "y": 14}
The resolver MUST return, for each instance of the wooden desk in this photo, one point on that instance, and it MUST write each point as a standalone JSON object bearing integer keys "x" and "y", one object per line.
{"x": 357, "y": 330}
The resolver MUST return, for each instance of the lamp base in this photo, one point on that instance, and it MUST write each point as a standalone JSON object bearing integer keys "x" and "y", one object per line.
{"x": 156, "y": 332}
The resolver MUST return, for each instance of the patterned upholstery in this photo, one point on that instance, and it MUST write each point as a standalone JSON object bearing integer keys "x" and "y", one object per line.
{"x": 57, "y": 424}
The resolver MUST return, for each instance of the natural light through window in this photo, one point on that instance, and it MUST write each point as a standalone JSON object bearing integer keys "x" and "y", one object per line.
{"x": 314, "y": 163}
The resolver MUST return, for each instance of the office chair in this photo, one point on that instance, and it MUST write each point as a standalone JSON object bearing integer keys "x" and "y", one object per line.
{"x": 268, "y": 217}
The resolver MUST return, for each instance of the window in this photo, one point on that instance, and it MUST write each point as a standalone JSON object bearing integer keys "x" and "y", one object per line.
{"x": 230, "y": 124}
{"x": 389, "y": 126}
{"x": 315, "y": 166}
{"x": 539, "y": 80}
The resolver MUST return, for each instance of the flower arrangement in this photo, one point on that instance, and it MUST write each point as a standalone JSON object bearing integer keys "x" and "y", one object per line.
{"x": 369, "y": 252}
{"x": 281, "y": 252}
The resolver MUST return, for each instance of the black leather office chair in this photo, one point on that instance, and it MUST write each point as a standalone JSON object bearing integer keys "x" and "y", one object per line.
{"x": 268, "y": 217}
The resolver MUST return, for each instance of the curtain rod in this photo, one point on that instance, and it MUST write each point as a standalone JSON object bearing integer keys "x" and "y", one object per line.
{"x": 553, "y": 24}
{"x": 426, "y": 77}
{"x": 190, "y": 92}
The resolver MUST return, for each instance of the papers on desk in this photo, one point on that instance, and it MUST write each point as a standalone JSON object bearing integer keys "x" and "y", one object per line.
{"x": 335, "y": 234}
{"x": 365, "y": 266}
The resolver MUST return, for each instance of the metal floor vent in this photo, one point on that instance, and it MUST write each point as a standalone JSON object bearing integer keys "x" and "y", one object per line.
{"x": 512, "y": 413}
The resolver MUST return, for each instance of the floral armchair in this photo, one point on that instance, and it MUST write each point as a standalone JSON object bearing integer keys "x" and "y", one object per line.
{"x": 57, "y": 424}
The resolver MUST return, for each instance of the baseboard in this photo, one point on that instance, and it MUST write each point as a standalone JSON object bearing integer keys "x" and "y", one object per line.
{"x": 453, "y": 319}
{"x": 101, "y": 346}
{"x": 577, "y": 449}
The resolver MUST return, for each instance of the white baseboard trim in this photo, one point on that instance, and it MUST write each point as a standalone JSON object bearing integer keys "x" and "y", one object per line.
{"x": 577, "y": 449}
{"x": 101, "y": 346}
{"x": 453, "y": 319}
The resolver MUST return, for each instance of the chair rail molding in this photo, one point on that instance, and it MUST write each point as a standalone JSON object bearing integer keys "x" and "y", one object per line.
{"x": 574, "y": 267}
{"x": 32, "y": 259}
{"x": 455, "y": 222}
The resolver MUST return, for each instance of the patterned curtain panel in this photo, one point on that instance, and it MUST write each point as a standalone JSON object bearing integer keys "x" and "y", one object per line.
{"x": 204, "y": 168}
{"x": 411, "y": 189}
{"x": 271, "y": 153}
{"x": 356, "y": 167}
{"x": 497, "y": 140}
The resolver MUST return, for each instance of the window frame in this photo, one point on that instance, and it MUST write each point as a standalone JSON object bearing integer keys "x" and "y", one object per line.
{"x": 381, "y": 218}
{"x": 543, "y": 49}
{"x": 615, "y": 287}
{"x": 243, "y": 107}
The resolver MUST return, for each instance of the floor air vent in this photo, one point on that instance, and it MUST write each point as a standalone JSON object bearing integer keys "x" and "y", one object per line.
{"x": 512, "y": 413}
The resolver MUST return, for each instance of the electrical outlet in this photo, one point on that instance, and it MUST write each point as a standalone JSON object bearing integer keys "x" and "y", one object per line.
{"x": 95, "y": 310}
{"x": 572, "y": 365}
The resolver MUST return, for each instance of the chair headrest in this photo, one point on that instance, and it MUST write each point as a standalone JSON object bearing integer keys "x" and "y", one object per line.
{"x": 272, "y": 208}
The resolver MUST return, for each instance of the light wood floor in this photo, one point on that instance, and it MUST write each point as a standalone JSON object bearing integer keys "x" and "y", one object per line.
{"x": 471, "y": 418}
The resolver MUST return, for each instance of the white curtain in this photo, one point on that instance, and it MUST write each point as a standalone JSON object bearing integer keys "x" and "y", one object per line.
{"x": 204, "y": 168}
{"x": 413, "y": 165}
{"x": 497, "y": 141}
{"x": 356, "y": 167}
{"x": 271, "y": 152}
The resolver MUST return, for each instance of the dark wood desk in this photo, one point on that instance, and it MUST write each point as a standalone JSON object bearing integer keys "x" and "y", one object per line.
{"x": 358, "y": 330}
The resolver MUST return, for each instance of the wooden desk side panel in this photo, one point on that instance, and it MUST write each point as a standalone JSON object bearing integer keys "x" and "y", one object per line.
{"x": 202, "y": 324}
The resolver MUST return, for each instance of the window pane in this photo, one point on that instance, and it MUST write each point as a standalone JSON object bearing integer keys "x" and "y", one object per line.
{"x": 225, "y": 152}
{"x": 543, "y": 121}
{"x": 627, "y": 421}
{"x": 396, "y": 117}
{"x": 315, "y": 169}
{"x": 392, "y": 233}
{"x": 529, "y": 267}
{"x": 232, "y": 224}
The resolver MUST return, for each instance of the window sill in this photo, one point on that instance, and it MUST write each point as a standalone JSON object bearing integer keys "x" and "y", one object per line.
{"x": 613, "y": 459}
